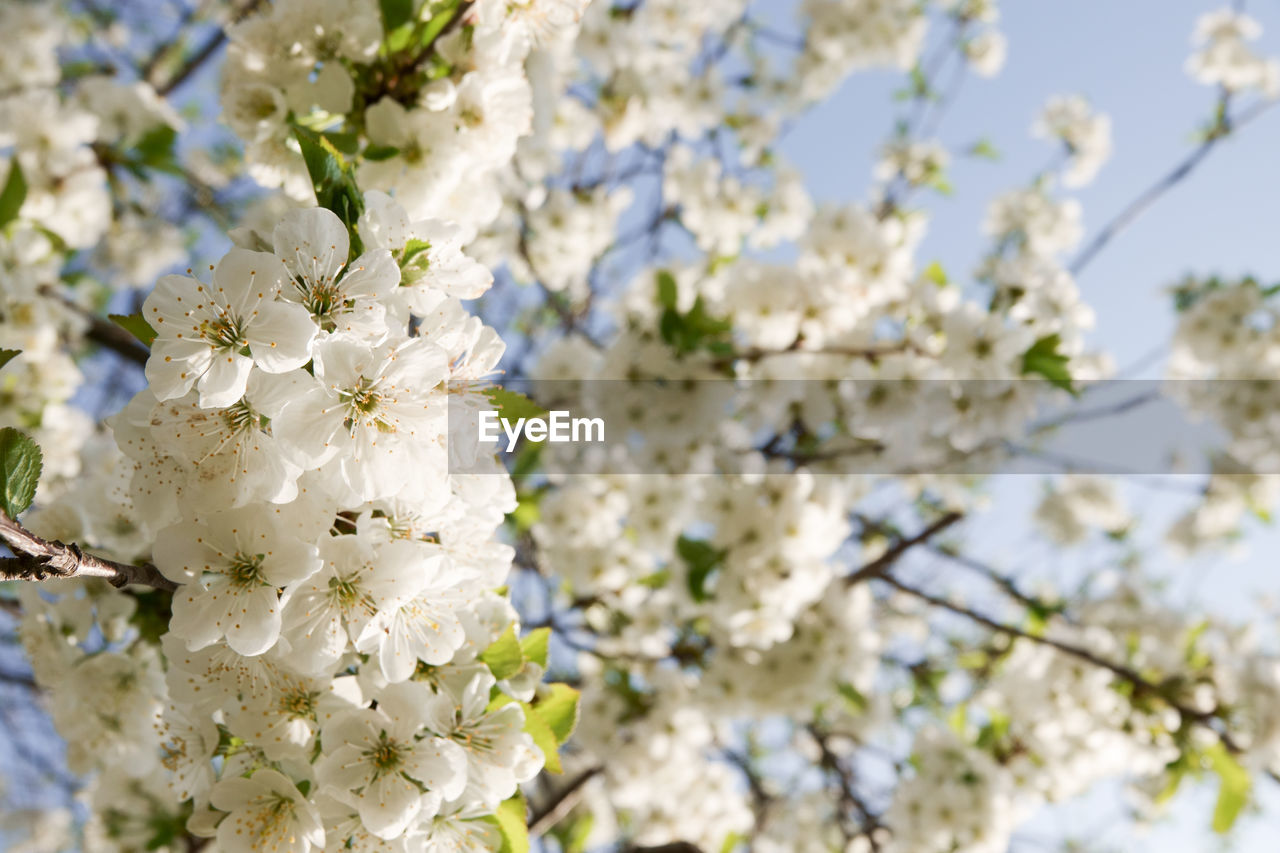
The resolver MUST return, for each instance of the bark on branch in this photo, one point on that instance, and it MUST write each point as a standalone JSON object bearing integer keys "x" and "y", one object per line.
{"x": 37, "y": 559}
{"x": 1164, "y": 691}
{"x": 881, "y": 565}
{"x": 561, "y": 803}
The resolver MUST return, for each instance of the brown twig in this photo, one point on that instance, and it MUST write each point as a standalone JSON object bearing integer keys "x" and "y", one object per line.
{"x": 103, "y": 332}
{"x": 1179, "y": 173}
{"x": 868, "y": 823}
{"x": 879, "y": 567}
{"x": 204, "y": 52}
{"x": 1140, "y": 683}
{"x": 36, "y": 559}
{"x": 561, "y": 803}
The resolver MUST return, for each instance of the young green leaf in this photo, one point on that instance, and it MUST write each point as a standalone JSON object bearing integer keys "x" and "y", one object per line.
{"x": 558, "y": 708}
{"x": 534, "y": 645}
{"x": 1043, "y": 359}
{"x": 513, "y": 405}
{"x": 13, "y": 194}
{"x": 543, "y": 737}
{"x": 504, "y": 656}
{"x": 376, "y": 153}
{"x": 668, "y": 293}
{"x": 8, "y": 355}
{"x": 20, "y": 466}
{"x": 442, "y": 13}
{"x": 1233, "y": 789}
{"x": 332, "y": 178}
{"x": 512, "y": 821}
{"x": 936, "y": 274}
{"x": 701, "y": 559}
{"x": 155, "y": 150}
{"x": 135, "y": 325}
{"x": 395, "y": 13}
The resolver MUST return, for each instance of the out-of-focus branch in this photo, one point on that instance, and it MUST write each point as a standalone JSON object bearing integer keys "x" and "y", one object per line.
{"x": 102, "y": 331}
{"x": 561, "y": 803}
{"x": 880, "y": 566}
{"x": 1144, "y": 202}
{"x": 1140, "y": 683}
{"x": 36, "y": 559}
{"x": 850, "y": 800}
{"x": 202, "y": 54}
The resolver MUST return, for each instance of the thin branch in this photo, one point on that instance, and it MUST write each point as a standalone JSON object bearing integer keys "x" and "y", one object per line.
{"x": 1004, "y": 582}
{"x": 850, "y": 800}
{"x": 1142, "y": 203}
{"x": 561, "y": 803}
{"x": 36, "y": 559}
{"x": 879, "y": 567}
{"x": 1140, "y": 683}
{"x": 102, "y": 331}
{"x": 202, "y": 55}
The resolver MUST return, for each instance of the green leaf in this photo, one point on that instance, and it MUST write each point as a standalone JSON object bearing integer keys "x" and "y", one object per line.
{"x": 513, "y": 405}
{"x": 533, "y": 646}
{"x": 1044, "y": 359}
{"x": 401, "y": 37}
{"x": 544, "y": 737}
{"x": 853, "y": 696}
{"x": 985, "y": 150}
{"x": 656, "y": 580}
{"x": 412, "y": 250}
{"x": 701, "y": 559}
{"x": 441, "y": 15}
{"x": 668, "y": 293}
{"x": 695, "y": 329}
{"x": 527, "y": 512}
{"x": 1233, "y": 790}
{"x": 20, "y": 466}
{"x": 333, "y": 179}
{"x": 504, "y": 657}
{"x": 155, "y": 149}
{"x": 559, "y": 710}
{"x": 13, "y": 194}
{"x": 377, "y": 153}
{"x": 395, "y": 13}
{"x": 135, "y": 325}
{"x": 936, "y": 274}
{"x": 346, "y": 142}
{"x": 512, "y": 822}
{"x": 527, "y": 459}
{"x": 574, "y": 833}
{"x": 8, "y": 355}
{"x": 731, "y": 841}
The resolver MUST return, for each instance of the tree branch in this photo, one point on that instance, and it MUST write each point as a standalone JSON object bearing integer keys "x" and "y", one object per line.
{"x": 561, "y": 803}
{"x": 850, "y": 800}
{"x": 102, "y": 331}
{"x": 1179, "y": 173}
{"x": 36, "y": 559}
{"x": 204, "y": 52}
{"x": 879, "y": 567}
{"x": 1140, "y": 683}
